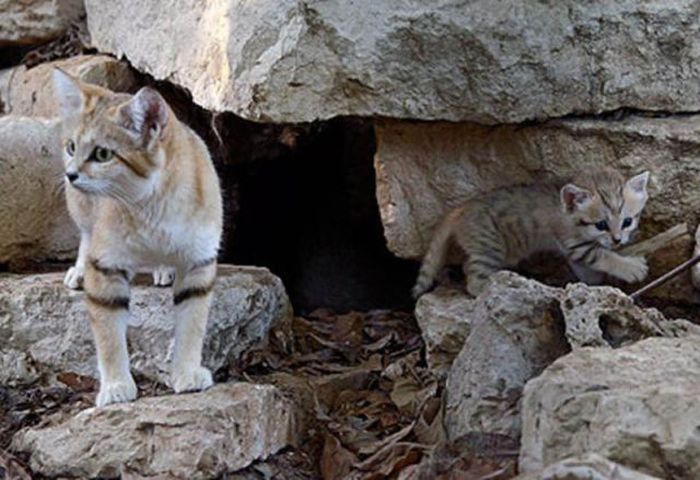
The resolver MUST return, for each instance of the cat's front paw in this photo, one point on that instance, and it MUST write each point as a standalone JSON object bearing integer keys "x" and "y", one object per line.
{"x": 117, "y": 391}
{"x": 191, "y": 379}
{"x": 74, "y": 278}
{"x": 163, "y": 276}
{"x": 634, "y": 269}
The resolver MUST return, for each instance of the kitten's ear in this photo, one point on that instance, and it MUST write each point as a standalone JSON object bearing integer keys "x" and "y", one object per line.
{"x": 575, "y": 198}
{"x": 68, "y": 93}
{"x": 146, "y": 114}
{"x": 637, "y": 185}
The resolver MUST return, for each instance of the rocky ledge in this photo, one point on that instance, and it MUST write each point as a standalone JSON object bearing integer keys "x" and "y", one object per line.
{"x": 45, "y": 328}
{"x": 189, "y": 436}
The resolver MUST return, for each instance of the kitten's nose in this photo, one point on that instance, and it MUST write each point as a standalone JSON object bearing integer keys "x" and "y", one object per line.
{"x": 71, "y": 176}
{"x": 617, "y": 240}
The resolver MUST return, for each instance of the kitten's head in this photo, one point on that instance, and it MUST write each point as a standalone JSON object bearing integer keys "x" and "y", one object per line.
{"x": 113, "y": 143}
{"x": 605, "y": 206}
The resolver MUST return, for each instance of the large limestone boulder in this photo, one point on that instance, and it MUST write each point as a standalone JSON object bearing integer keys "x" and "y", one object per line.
{"x": 423, "y": 170}
{"x": 45, "y": 329}
{"x": 503, "y": 62}
{"x": 516, "y": 331}
{"x": 29, "y": 92}
{"x": 33, "y": 214}
{"x": 638, "y": 406}
{"x": 188, "y": 436}
{"x": 25, "y": 22}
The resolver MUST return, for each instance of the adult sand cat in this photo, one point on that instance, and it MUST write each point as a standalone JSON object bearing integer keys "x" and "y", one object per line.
{"x": 583, "y": 221}
{"x": 144, "y": 187}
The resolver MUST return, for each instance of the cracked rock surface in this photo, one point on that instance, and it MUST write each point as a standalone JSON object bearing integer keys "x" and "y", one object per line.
{"x": 188, "y": 436}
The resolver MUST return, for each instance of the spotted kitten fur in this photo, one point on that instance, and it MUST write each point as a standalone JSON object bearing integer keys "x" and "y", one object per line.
{"x": 584, "y": 221}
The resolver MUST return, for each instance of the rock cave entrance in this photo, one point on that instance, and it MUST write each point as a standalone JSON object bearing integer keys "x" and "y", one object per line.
{"x": 308, "y": 212}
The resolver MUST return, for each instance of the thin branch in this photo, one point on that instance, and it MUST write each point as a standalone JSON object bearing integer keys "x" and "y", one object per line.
{"x": 666, "y": 277}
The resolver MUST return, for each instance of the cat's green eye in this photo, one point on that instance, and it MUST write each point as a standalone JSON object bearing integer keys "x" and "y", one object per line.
{"x": 602, "y": 225}
{"x": 70, "y": 148}
{"x": 101, "y": 155}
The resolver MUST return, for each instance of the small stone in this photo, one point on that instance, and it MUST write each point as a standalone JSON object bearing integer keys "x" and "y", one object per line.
{"x": 589, "y": 466}
{"x": 444, "y": 317}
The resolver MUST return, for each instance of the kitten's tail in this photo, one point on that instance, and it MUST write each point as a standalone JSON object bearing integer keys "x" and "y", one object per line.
{"x": 435, "y": 256}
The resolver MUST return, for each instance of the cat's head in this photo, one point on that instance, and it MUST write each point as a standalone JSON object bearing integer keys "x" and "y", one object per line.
{"x": 112, "y": 143}
{"x": 605, "y": 206}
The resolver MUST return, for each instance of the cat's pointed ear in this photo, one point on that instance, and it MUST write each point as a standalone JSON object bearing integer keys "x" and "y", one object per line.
{"x": 146, "y": 115}
{"x": 69, "y": 95}
{"x": 575, "y": 198}
{"x": 637, "y": 186}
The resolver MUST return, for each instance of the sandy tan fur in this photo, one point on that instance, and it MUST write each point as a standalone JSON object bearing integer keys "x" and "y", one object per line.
{"x": 155, "y": 201}
{"x": 499, "y": 229}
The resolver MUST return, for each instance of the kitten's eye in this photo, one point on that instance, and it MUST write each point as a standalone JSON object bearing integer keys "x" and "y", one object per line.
{"x": 102, "y": 155}
{"x": 602, "y": 225}
{"x": 626, "y": 222}
{"x": 70, "y": 148}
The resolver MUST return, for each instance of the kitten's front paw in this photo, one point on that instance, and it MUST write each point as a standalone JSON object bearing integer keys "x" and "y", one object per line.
{"x": 634, "y": 270}
{"x": 191, "y": 379}
{"x": 74, "y": 278}
{"x": 123, "y": 390}
{"x": 163, "y": 276}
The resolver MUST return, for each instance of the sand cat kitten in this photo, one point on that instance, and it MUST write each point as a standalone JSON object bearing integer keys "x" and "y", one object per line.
{"x": 143, "y": 186}
{"x": 583, "y": 221}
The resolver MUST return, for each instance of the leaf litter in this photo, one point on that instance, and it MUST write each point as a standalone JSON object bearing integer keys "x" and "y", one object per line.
{"x": 387, "y": 421}
{"x": 375, "y": 407}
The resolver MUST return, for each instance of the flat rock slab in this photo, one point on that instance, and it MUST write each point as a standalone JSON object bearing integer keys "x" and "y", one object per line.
{"x": 638, "y": 406}
{"x": 33, "y": 214}
{"x": 189, "y": 436}
{"x": 26, "y": 22}
{"x": 45, "y": 330}
{"x": 483, "y": 61}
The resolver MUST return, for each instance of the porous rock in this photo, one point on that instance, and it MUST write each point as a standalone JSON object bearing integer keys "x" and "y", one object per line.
{"x": 188, "y": 436}
{"x": 33, "y": 214}
{"x": 45, "y": 328}
{"x": 638, "y": 406}
{"x": 482, "y": 61}
{"x": 516, "y": 331}
{"x": 606, "y": 317}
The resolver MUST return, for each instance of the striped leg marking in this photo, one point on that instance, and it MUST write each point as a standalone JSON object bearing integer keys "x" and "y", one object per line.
{"x": 107, "y": 299}
{"x": 192, "y": 296}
